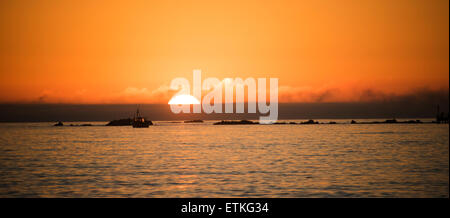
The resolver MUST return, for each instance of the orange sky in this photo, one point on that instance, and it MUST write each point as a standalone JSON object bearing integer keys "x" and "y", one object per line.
{"x": 56, "y": 51}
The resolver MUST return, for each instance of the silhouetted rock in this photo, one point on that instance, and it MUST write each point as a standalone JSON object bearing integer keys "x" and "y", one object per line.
{"x": 193, "y": 121}
{"x": 353, "y": 122}
{"x": 121, "y": 122}
{"x": 292, "y": 123}
{"x": 391, "y": 121}
{"x": 235, "y": 122}
{"x": 332, "y": 122}
{"x": 310, "y": 122}
{"x": 59, "y": 124}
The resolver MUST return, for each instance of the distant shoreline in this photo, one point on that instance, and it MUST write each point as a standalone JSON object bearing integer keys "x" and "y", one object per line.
{"x": 286, "y": 111}
{"x": 251, "y": 122}
{"x": 424, "y": 120}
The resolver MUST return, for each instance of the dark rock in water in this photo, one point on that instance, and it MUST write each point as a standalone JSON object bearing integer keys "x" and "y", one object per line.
{"x": 121, "y": 122}
{"x": 353, "y": 122}
{"x": 332, "y": 122}
{"x": 193, "y": 121}
{"x": 310, "y": 122}
{"x": 87, "y": 124}
{"x": 391, "y": 121}
{"x": 59, "y": 124}
{"x": 413, "y": 121}
{"x": 292, "y": 123}
{"x": 235, "y": 122}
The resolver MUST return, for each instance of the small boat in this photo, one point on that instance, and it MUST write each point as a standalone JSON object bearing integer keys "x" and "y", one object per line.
{"x": 139, "y": 121}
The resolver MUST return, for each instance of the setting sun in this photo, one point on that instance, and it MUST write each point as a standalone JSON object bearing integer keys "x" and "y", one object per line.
{"x": 184, "y": 99}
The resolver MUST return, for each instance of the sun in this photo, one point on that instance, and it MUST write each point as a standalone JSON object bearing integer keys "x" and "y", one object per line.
{"x": 184, "y": 99}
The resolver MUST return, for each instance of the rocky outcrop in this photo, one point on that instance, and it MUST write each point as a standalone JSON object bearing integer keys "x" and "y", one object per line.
{"x": 235, "y": 122}
{"x": 121, "y": 122}
{"x": 193, "y": 121}
{"x": 310, "y": 122}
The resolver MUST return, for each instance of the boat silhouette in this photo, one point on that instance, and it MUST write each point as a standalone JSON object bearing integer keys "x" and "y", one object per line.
{"x": 139, "y": 121}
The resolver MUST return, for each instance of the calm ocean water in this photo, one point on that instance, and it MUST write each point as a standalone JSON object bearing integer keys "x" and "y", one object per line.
{"x": 203, "y": 160}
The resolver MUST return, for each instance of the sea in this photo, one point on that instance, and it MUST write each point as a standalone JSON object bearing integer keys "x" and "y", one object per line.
{"x": 177, "y": 159}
